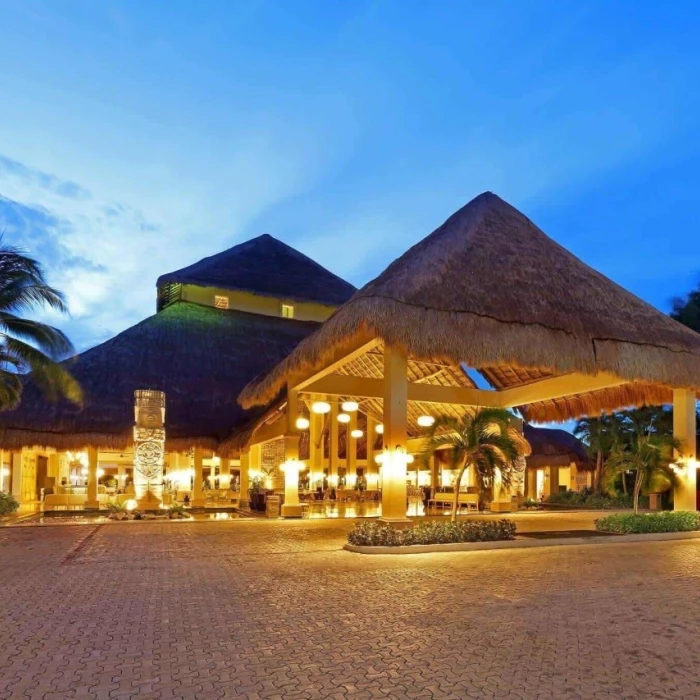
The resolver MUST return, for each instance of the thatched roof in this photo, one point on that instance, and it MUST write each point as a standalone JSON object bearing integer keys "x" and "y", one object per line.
{"x": 199, "y": 356}
{"x": 491, "y": 290}
{"x": 266, "y": 266}
{"x": 552, "y": 447}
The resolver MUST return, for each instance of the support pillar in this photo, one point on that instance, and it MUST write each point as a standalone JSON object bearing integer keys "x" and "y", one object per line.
{"x": 92, "y": 501}
{"x": 291, "y": 508}
{"x": 395, "y": 398}
{"x": 553, "y": 480}
{"x": 225, "y": 474}
{"x": 333, "y": 432}
{"x": 531, "y": 483}
{"x": 684, "y": 429}
{"x": 121, "y": 476}
{"x": 245, "y": 468}
{"x": 197, "y": 490}
{"x": 352, "y": 452}
{"x": 316, "y": 447}
{"x": 16, "y": 467}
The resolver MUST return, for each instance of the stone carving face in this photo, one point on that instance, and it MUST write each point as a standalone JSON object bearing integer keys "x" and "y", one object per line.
{"x": 149, "y": 459}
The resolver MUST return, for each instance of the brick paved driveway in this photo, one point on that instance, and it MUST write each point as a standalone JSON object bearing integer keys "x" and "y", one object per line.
{"x": 277, "y": 610}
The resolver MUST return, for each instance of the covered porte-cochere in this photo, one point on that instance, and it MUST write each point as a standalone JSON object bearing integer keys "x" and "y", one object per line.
{"x": 487, "y": 311}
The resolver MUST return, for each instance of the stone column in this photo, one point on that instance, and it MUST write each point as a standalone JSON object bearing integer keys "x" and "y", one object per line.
{"x": 245, "y": 468}
{"x": 197, "y": 491}
{"x": 395, "y": 416}
{"x": 91, "y": 501}
{"x": 684, "y": 429}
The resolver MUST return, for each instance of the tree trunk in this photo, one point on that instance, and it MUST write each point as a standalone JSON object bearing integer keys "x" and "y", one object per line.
{"x": 624, "y": 483}
{"x": 597, "y": 486}
{"x": 458, "y": 482}
{"x": 637, "y": 489}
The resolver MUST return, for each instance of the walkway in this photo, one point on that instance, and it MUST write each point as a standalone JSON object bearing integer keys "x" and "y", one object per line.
{"x": 269, "y": 609}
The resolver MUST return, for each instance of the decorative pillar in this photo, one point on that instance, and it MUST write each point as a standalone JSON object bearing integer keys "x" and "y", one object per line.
{"x": 684, "y": 429}
{"x": 351, "y": 448}
{"x": 291, "y": 508}
{"x": 91, "y": 501}
{"x": 395, "y": 397}
{"x": 333, "y": 431}
{"x": 149, "y": 448}
{"x": 197, "y": 491}
{"x": 245, "y": 468}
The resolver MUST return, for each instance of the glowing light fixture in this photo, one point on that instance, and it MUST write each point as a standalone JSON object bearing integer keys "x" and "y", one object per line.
{"x": 302, "y": 423}
{"x": 426, "y": 421}
{"x": 350, "y": 406}
{"x": 320, "y": 407}
{"x": 356, "y": 434}
{"x": 379, "y": 428}
{"x": 343, "y": 418}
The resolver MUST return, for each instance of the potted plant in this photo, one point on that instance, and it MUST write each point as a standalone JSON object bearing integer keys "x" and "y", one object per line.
{"x": 257, "y": 493}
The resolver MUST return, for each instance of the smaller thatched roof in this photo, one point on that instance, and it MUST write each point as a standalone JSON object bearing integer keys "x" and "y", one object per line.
{"x": 489, "y": 289}
{"x": 201, "y": 357}
{"x": 552, "y": 447}
{"x": 266, "y": 266}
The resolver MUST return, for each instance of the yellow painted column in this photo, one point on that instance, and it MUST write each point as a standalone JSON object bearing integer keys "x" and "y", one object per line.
{"x": 333, "y": 433}
{"x": 291, "y": 508}
{"x": 395, "y": 399}
{"x": 225, "y": 473}
{"x": 92, "y": 501}
{"x": 197, "y": 491}
{"x": 316, "y": 447}
{"x": 245, "y": 468}
{"x": 531, "y": 482}
{"x": 684, "y": 494}
{"x": 351, "y": 478}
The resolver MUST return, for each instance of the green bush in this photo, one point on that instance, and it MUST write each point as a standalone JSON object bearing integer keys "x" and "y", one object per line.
{"x": 374, "y": 534}
{"x": 667, "y": 521}
{"x": 8, "y": 503}
{"x": 588, "y": 499}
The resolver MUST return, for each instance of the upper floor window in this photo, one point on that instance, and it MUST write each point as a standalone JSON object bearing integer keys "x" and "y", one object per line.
{"x": 287, "y": 311}
{"x": 220, "y": 302}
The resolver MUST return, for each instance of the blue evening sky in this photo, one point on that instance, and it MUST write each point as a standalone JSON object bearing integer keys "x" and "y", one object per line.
{"x": 139, "y": 136}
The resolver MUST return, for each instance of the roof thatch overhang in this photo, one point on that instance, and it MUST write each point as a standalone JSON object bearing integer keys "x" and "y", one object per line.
{"x": 490, "y": 290}
{"x": 199, "y": 356}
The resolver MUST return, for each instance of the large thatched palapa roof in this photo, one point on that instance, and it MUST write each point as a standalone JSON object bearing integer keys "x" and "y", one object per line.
{"x": 552, "y": 447}
{"x": 199, "y": 356}
{"x": 266, "y": 266}
{"x": 489, "y": 289}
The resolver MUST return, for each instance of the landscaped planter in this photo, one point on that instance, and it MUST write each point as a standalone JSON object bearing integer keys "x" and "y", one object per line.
{"x": 645, "y": 523}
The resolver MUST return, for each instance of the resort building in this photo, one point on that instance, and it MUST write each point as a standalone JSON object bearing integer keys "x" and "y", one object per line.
{"x": 278, "y": 376}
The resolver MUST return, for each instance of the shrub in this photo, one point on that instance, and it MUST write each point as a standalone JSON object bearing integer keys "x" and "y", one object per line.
{"x": 667, "y": 521}
{"x": 374, "y": 534}
{"x": 8, "y": 503}
{"x": 588, "y": 499}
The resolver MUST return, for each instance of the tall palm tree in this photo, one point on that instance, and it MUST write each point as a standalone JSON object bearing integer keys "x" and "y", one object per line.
{"x": 487, "y": 441}
{"x": 650, "y": 456}
{"x": 28, "y": 346}
{"x": 599, "y": 435}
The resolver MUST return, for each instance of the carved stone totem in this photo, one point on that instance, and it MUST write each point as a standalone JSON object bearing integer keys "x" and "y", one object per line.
{"x": 149, "y": 447}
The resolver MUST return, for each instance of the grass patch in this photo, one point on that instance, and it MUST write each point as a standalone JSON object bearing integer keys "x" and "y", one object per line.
{"x": 375, "y": 534}
{"x": 667, "y": 521}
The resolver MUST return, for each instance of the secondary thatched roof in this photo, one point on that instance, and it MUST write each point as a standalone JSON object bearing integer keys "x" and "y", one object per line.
{"x": 264, "y": 265}
{"x": 491, "y": 290}
{"x": 199, "y": 356}
{"x": 552, "y": 447}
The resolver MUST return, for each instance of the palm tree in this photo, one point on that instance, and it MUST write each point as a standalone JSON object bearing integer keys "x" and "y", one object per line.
{"x": 647, "y": 453}
{"x": 28, "y": 346}
{"x": 599, "y": 435}
{"x": 487, "y": 441}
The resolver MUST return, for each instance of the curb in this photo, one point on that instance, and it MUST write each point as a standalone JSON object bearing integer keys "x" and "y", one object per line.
{"x": 522, "y": 544}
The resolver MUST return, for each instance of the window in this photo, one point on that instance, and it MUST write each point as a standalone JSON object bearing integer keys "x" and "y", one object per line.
{"x": 287, "y": 311}
{"x": 220, "y": 302}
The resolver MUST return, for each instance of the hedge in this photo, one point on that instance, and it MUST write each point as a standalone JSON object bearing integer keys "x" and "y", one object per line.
{"x": 666, "y": 521}
{"x": 374, "y": 534}
{"x": 588, "y": 499}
